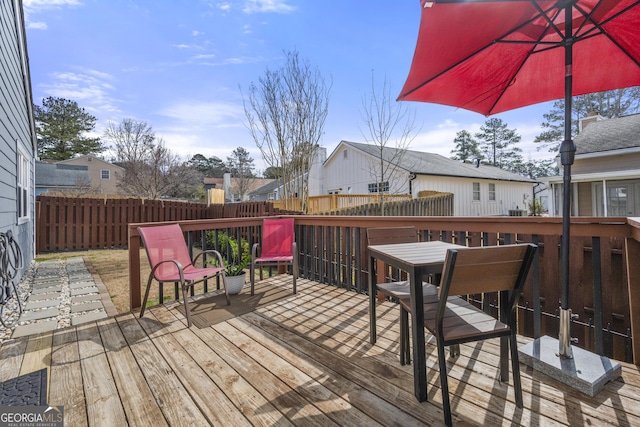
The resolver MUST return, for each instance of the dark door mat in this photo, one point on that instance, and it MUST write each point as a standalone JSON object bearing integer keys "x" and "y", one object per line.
{"x": 29, "y": 389}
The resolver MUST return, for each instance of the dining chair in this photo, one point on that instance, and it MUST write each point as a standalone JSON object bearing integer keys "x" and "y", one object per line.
{"x": 278, "y": 247}
{"x": 453, "y": 320}
{"x": 400, "y": 289}
{"x": 170, "y": 262}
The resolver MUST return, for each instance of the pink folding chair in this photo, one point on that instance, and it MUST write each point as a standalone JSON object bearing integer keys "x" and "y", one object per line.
{"x": 278, "y": 247}
{"x": 170, "y": 262}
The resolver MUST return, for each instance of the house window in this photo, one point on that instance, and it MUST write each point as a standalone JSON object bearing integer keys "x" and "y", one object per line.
{"x": 22, "y": 176}
{"x": 344, "y": 154}
{"x": 105, "y": 174}
{"x": 492, "y": 192}
{"x": 476, "y": 191}
{"x": 379, "y": 188}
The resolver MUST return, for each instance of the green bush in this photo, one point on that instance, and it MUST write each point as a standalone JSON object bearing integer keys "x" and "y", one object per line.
{"x": 228, "y": 248}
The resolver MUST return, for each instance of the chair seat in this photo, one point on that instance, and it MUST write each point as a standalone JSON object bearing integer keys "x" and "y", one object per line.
{"x": 401, "y": 289}
{"x": 190, "y": 273}
{"x": 274, "y": 259}
{"x": 461, "y": 319}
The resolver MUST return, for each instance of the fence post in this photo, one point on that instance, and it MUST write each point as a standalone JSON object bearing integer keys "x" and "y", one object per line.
{"x": 632, "y": 253}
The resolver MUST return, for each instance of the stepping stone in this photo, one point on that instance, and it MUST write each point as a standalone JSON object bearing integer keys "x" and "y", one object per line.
{"x": 45, "y": 296}
{"x": 82, "y": 284}
{"x": 33, "y": 305}
{"x": 89, "y": 317}
{"x": 83, "y": 291}
{"x": 48, "y": 290}
{"x": 89, "y": 306}
{"x": 34, "y": 328}
{"x": 85, "y": 298}
{"x": 37, "y": 315}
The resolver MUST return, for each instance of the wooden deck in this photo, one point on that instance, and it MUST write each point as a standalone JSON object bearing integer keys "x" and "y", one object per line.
{"x": 304, "y": 360}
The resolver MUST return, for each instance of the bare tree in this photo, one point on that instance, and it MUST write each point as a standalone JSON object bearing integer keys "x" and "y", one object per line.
{"x": 151, "y": 169}
{"x": 390, "y": 127}
{"x": 240, "y": 165}
{"x": 286, "y": 112}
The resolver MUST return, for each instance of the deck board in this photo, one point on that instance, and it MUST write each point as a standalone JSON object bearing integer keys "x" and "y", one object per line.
{"x": 304, "y": 360}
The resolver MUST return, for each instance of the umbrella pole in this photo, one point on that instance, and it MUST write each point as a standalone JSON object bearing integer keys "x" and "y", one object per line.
{"x": 567, "y": 154}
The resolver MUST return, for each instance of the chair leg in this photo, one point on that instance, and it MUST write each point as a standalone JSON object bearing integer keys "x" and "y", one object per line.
{"x": 186, "y": 304}
{"x": 252, "y": 273}
{"x": 504, "y": 359}
{"x": 146, "y": 296}
{"x": 405, "y": 353}
{"x": 295, "y": 276}
{"x": 444, "y": 384}
{"x": 515, "y": 367}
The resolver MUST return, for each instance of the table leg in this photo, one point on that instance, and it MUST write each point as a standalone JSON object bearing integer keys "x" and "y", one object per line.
{"x": 373, "y": 290}
{"x": 417, "y": 331}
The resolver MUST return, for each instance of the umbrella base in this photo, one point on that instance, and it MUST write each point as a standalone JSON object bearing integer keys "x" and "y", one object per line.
{"x": 586, "y": 372}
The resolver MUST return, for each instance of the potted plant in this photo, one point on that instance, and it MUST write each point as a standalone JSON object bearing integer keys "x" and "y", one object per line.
{"x": 234, "y": 264}
{"x": 235, "y": 274}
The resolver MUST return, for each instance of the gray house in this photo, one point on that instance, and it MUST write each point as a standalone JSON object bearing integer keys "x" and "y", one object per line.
{"x": 605, "y": 176}
{"x": 61, "y": 178}
{"x": 17, "y": 130}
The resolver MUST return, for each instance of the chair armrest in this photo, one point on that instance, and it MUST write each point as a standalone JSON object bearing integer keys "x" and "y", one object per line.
{"x": 213, "y": 252}
{"x": 254, "y": 250}
{"x": 177, "y": 263}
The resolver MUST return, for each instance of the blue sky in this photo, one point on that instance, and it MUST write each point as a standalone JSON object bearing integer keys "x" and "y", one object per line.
{"x": 179, "y": 65}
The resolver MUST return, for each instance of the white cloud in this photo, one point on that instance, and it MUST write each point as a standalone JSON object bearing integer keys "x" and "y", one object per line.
{"x": 196, "y": 33}
{"x": 37, "y": 25}
{"x": 33, "y": 7}
{"x": 205, "y": 114}
{"x": 225, "y": 7}
{"x": 90, "y": 88}
{"x": 266, "y": 6}
{"x": 181, "y": 46}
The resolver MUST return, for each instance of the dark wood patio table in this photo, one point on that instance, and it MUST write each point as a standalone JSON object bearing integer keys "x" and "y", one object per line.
{"x": 417, "y": 259}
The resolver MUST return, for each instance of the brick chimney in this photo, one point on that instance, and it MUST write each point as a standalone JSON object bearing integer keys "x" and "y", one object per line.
{"x": 590, "y": 118}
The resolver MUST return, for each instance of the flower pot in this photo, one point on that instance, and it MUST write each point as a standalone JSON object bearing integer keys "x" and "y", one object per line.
{"x": 235, "y": 283}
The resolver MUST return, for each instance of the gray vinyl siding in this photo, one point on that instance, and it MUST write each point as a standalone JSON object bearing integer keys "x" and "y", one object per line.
{"x": 16, "y": 125}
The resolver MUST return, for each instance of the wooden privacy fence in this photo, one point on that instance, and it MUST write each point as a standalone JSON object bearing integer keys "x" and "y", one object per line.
{"x": 437, "y": 205}
{"x": 79, "y": 223}
{"x": 339, "y": 202}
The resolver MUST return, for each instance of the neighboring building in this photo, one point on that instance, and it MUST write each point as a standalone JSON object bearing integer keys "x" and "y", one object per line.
{"x": 60, "y": 178}
{"x": 605, "y": 176}
{"x": 479, "y": 190}
{"x": 232, "y": 186}
{"x": 17, "y": 131}
{"x": 103, "y": 176}
{"x": 268, "y": 191}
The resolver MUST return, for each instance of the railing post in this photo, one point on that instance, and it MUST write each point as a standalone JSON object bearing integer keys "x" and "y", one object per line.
{"x": 632, "y": 254}
{"x": 135, "y": 299}
{"x": 597, "y": 294}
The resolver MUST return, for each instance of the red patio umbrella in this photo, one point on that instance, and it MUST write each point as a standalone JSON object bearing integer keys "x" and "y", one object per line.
{"x": 491, "y": 56}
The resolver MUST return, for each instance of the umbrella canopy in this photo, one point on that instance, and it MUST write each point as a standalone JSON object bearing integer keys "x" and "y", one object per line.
{"x": 491, "y": 57}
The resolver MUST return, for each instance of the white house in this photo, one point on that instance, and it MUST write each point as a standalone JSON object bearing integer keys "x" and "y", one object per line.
{"x": 17, "y": 131}
{"x": 479, "y": 190}
{"x": 606, "y": 168}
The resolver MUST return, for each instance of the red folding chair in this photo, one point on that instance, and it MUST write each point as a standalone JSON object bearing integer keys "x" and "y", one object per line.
{"x": 278, "y": 247}
{"x": 170, "y": 262}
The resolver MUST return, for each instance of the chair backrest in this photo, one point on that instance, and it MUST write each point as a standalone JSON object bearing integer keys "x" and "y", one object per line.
{"x": 277, "y": 237}
{"x": 391, "y": 235}
{"x": 165, "y": 242}
{"x": 486, "y": 269}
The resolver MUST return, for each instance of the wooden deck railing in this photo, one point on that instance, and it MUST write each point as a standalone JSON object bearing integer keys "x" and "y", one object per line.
{"x": 604, "y": 266}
